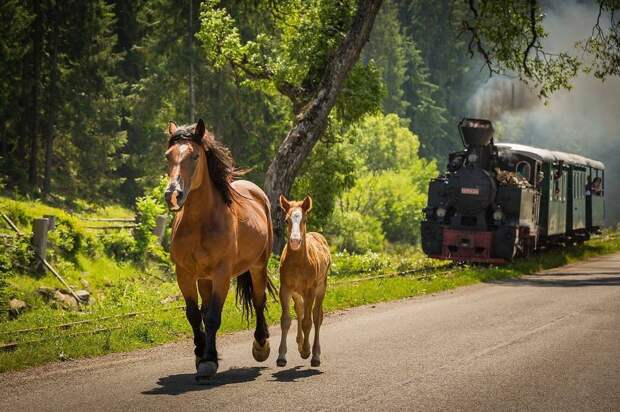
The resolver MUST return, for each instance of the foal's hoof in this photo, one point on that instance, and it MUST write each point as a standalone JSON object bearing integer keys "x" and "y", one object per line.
{"x": 281, "y": 362}
{"x": 315, "y": 363}
{"x": 305, "y": 353}
{"x": 260, "y": 353}
{"x": 206, "y": 370}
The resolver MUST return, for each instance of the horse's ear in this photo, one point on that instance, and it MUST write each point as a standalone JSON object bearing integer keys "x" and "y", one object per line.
{"x": 284, "y": 203}
{"x": 307, "y": 204}
{"x": 172, "y": 127}
{"x": 199, "y": 131}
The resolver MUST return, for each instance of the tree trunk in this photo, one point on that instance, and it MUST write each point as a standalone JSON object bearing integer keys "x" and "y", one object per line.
{"x": 52, "y": 102}
{"x": 312, "y": 121}
{"x": 190, "y": 48}
{"x": 33, "y": 119}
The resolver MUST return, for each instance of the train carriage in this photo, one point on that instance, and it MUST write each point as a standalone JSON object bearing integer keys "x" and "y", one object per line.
{"x": 497, "y": 201}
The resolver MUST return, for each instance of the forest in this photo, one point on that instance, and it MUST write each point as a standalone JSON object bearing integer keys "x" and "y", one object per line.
{"x": 88, "y": 87}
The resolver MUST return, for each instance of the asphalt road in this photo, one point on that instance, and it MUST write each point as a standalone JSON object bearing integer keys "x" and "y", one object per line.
{"x": 544, "y": 342}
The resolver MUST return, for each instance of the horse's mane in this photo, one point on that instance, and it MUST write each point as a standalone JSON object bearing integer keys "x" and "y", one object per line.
{"x": 220, "y": 162}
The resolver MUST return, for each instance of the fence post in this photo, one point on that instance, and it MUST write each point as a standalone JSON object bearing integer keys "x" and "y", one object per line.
{"x": 52, "y": 222}
{"x": 39, "y": 239}
{"x": 160, "y": 227}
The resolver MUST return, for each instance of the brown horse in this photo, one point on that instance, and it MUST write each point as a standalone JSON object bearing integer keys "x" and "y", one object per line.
{"x": 222, "y": 230}
{"x": 304, "y": 264}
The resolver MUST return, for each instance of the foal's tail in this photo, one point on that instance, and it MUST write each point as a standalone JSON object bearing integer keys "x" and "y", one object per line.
{"x": 244, "y": 293}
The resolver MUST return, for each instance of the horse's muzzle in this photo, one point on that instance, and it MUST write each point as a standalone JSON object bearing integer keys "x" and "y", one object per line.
{"x": 295, "y": 243}
{"x": 174, "y": 199}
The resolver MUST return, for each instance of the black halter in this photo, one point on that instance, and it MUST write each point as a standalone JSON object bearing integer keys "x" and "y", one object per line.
{"x": 183, "y": 134}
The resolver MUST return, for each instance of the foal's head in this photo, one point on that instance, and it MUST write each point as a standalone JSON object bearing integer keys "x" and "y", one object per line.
{"x": 296, "y": 216}
{"x": 185, "y": 150}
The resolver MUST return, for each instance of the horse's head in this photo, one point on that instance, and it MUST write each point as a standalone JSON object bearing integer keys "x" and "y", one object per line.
{"x": 296, "y": 216}
{"x": 184, "y": 154}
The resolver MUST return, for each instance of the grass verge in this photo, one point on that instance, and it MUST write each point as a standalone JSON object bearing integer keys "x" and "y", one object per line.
{"x": 158, "y": 316}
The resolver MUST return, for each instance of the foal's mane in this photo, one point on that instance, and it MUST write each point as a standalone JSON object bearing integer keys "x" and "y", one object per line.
{"x": 220, "y": 162}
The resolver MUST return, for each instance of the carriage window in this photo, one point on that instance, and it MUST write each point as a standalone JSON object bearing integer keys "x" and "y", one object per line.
{"x": 524, "y": 170}
{"x": 597, "y": 186}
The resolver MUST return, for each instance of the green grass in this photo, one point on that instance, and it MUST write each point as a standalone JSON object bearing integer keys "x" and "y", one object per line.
{"x": 119, "y": 289}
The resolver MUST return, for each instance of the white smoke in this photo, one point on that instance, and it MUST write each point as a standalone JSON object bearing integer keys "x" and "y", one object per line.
{"x": 583, "y": 120}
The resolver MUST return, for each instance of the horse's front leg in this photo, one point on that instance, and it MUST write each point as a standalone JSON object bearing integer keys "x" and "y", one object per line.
{"x": 208, "y": 365}
{"x": 187, "y": 284}
{"x": 306, "y": 323}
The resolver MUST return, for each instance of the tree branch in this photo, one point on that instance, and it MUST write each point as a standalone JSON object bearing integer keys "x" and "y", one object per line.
{"x": 297, "y": 95}
{"x": 534, "y": 39}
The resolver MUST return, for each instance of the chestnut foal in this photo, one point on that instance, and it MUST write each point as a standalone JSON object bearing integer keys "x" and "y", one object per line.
{"x": 304, "y": 264}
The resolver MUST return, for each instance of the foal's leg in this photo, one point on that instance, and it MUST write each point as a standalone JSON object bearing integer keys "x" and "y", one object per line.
{"x": 298, "y": 302}
{"x": 187, "y": 284}
{"x": 260, "y": 347}
{"x": 306, "y": 323}
{"x": 209, "y": 361}
{"x": 317, "y": 317}
{"x": 285, "y": 323}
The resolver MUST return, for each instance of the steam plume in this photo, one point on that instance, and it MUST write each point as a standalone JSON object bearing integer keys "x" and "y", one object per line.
{"x": 584, "y": 120}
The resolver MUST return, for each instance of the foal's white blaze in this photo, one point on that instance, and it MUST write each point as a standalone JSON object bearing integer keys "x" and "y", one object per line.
{"x": 295, "y": 237}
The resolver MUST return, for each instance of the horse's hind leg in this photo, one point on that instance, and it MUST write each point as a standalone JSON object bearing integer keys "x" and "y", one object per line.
{"x": 317, "y": 317}
{"x": 285, "y": 323}
{"x": 187, "y": 284}
{"x": 260, "y": 347}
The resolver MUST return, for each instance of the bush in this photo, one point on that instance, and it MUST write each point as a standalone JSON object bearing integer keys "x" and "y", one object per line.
{"x": 120, "y": 245}
{"x": 17, "y": 257}
{"x": 67, "y": 238}
{"x": 355, "y": 232}
{"x": 148, "y": 208}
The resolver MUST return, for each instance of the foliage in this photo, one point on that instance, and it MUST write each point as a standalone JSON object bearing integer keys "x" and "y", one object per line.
{"x": 326, "y": 175}
{"x": 390, "y": 191}
{"x": 356, "y": 232}
{"x": 289, "y": 54}
{"x": 120, "y": 245}
{"x": 148, "y": 208}
{"x": 67, "y": 237}
{"x": 17, "y": 257}
{"x": 394, "y": 199}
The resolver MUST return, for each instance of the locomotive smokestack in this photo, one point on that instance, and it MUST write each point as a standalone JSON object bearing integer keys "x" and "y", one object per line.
{"x": 476, "y": 132}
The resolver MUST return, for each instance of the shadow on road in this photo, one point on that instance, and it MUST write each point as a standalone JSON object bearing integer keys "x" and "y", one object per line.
{"x": 557, "y": 281}
{"x": 186, "y": 382}
{"x": 294, "y": 374}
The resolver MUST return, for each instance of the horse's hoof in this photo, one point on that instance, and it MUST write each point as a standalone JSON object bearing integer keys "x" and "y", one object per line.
{"x": 305, "y": 354}
{"x": 281, "y": 362}
{"x": 260, "y": 353}
{"x": 206, "y": 370}
{"x": 315, "y": 362}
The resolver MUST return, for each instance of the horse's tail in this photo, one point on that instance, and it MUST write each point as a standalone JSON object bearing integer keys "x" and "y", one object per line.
{"x": 245, "y": 290}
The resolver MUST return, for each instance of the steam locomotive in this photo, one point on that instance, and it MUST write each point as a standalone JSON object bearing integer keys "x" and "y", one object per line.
{"x": 499, "y": 201}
